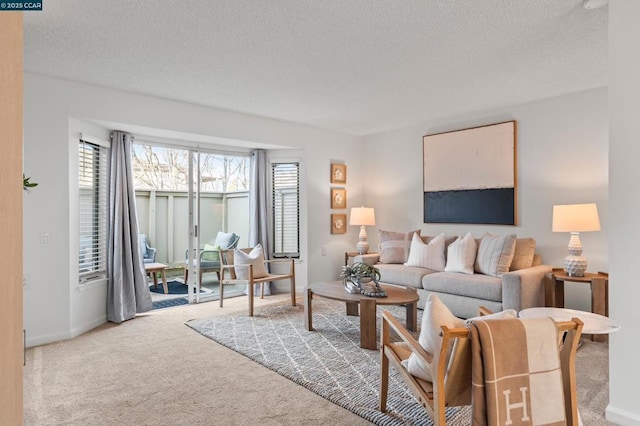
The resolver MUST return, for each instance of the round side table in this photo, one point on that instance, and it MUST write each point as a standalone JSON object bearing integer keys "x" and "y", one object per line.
{"x": 593, "y": 323}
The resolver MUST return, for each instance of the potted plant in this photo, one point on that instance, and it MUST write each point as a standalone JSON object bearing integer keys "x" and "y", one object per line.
{"x": 26, "y": 183}
{"x": 362, "y": 278}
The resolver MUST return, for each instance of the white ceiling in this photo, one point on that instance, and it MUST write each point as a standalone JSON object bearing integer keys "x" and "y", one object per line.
{"x": 355, "y": 66}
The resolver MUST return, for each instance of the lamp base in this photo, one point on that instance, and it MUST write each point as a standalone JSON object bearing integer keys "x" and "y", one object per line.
{"x": 575, "y": 266}
{"x": 362, "y": 247}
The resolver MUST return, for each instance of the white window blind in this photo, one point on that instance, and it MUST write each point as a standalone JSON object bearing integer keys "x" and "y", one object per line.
{"x": 286, "y": 209}
{"x": 93, "y": 187}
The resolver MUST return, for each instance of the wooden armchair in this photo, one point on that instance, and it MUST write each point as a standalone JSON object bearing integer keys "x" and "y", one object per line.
{"x": 227, "y": 263}
{"x": 452, "y": 385}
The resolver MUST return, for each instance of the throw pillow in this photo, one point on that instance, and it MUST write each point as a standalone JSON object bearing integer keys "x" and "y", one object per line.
{"x": 211, "y": 253}
{"x": 142, "y": 245}
{"x": 255, "y": 257}
{"x": 223, "y": 239}
{"x": 523, "y": 254}
{"x": 435, "y": 315}
{"x": 394, "y": 246}
{"x": 506, "y": 314}
{"x": 429, "y": 256}
{"x": 495, "y": 254}
{"x": 461, "y": 255}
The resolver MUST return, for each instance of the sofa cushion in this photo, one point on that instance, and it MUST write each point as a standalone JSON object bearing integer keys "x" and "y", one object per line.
{"x": 430, "y": 255}
{"x": 523, "y": 254}
{"x": 435, "y": 315}
{"x": 409, "y": 276}
{"x": 394, "y": 246}
{"x": 495, "y": 254}
{"x": 461, "y": 255}
{"x": 477, "y": 286}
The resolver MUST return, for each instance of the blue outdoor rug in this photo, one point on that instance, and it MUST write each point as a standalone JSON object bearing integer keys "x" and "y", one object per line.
{"x": 175, "y": 287}
{"x": 160, "y": 304}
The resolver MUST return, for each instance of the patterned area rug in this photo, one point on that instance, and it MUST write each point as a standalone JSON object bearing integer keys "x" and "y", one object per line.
{"x": 327, "y": 361}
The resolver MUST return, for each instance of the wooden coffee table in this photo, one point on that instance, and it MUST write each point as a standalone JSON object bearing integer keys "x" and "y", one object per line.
{"x": 335, "y": 290}
{"x": 153, "y": 269}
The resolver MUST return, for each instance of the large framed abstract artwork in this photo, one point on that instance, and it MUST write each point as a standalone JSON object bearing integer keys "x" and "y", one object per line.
{"x": 469, "y": 175}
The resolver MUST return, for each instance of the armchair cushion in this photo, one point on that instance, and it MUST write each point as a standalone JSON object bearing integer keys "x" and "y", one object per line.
{"x": 255, "y": 258}
{"x": 435, "y": 315}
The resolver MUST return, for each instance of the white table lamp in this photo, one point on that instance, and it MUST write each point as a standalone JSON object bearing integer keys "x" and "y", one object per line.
{"x": 575, "y": 218}
{"x": 362, "y": 216}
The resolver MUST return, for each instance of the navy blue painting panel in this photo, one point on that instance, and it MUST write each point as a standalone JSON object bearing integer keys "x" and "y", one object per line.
{"x": 482, "y": 206}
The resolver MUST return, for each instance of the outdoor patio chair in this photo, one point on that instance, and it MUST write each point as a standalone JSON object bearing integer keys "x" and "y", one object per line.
{"x": 254, "y": 273}
{"x": 452, "y": 384}
{"x": 210, "y": 254}
{"x": 148, "y": 252}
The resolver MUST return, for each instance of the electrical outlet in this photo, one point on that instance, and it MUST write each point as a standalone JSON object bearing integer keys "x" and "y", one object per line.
{"x": 45, "y": 239}
{"x": 26, "y": 282}
{"x": 323, "y": 250}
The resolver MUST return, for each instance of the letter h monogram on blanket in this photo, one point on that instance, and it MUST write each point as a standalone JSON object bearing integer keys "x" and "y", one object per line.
{"x": 516, "y": 373}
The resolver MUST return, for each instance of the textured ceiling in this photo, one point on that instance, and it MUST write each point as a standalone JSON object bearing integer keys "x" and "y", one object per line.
{"x": 356, "y": 66}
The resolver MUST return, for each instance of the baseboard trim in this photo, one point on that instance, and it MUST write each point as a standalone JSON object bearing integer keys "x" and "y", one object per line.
{"x": 622, "y": 417}
{"x": 75, "y": 332}
{"x": 32, "y": 341}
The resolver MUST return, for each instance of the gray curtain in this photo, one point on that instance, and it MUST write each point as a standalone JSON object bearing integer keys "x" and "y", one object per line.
{"x": 127, "y": 292}
{"x": 258, "y": 213}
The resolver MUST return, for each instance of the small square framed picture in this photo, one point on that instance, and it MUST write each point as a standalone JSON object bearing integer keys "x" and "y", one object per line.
{"x": 338, "y": 198}
{"x": 339, "y": 173}
{"x": 339, "y": 223}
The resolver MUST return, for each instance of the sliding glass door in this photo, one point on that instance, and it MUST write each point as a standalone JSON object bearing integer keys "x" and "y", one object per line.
{"x": 185, "y": 196}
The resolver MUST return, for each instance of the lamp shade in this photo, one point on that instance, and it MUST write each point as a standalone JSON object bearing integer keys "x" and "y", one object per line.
{"x": 362, "y": 216}
{"x": 575, "y": 218}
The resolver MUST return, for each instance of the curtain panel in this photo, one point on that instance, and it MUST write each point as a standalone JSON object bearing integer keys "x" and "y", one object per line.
{"x": 127, "y": 292}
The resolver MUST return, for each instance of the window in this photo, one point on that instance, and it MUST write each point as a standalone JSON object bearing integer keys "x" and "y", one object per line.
{"x": 285, "y": 179}
{"x": 93, "y": 212}
{"x": 167, "y": 169}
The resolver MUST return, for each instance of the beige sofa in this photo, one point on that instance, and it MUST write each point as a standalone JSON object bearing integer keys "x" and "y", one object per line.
{"x": 522, "y": 287}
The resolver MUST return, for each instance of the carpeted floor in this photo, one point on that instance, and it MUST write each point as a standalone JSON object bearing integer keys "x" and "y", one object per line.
{"x": 154, "y": 371}
{"x": 330, "y": 362}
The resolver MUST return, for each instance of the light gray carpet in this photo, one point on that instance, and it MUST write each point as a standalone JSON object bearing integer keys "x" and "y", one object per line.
{"x": 330, "y": 362}
{"x": 154, "y": 371}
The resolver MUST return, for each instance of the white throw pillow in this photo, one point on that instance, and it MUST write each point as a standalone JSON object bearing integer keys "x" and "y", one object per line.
{"x": 495, "y": 254}
{"x": 435, "y": 315}
{"x": 461, "y": 255}
{"x": 255, "y": 258}
{"x": 429, "y": 255}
